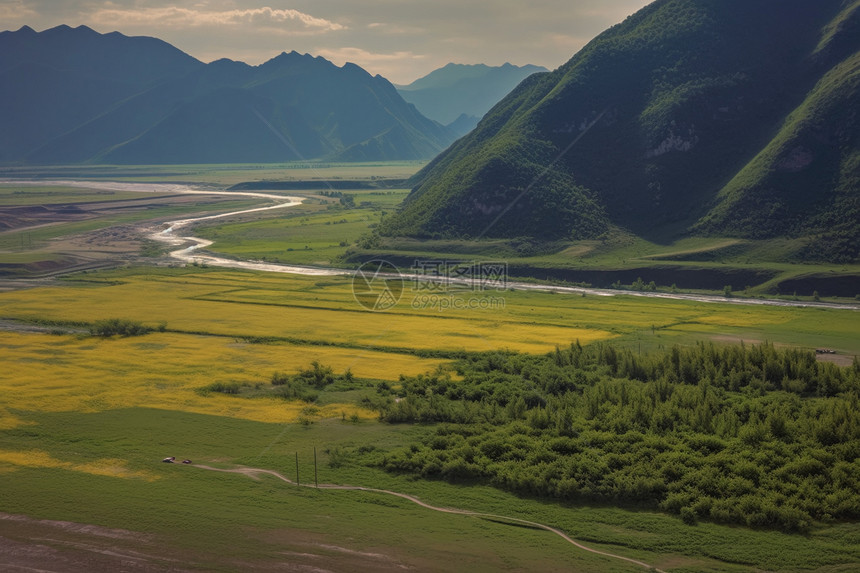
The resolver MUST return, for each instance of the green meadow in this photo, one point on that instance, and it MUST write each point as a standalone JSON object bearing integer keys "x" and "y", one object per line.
{"x": 222, "y": 174}
{"x": 97, "y": 460}
{"x": 325, "y": 232}
{"x": 86, "y": 420}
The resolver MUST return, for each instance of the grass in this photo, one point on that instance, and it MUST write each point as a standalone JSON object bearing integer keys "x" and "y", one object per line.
{"x": 312, "y": 234}
{"x": 253, "y": 512}
{"x": 324, "y": 235}
{"x": 323, "y": 312}
{"x": 84, "y": 421}
{"x": 58, "y": 195}
{"x": 321, "y": 233}
{"x": 224, "y": 174}
{"x": 293, "y": 308}
{"x": 723, "y": 255}
{"x": 69, "y": 373}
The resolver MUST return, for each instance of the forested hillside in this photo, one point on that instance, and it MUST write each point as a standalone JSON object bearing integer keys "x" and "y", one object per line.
{"x": 733, "y": 118}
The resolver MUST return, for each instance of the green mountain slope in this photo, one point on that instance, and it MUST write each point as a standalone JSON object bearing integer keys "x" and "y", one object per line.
{"x": 806, "y": 179}
{"x": 692, "y": 116}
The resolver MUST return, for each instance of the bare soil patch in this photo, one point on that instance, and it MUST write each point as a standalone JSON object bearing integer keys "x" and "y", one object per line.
{"x": 28, "y": 544}
{"x": 305, "y": 551}
{"x": 111, "y": 246}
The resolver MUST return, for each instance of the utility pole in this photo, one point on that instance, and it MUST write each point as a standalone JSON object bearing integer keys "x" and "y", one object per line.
{"x": 297, "y": 469}
{"x": 316, "y": 483}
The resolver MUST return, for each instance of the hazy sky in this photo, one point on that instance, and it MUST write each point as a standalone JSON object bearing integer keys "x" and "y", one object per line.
{"x": 400, "y": 39}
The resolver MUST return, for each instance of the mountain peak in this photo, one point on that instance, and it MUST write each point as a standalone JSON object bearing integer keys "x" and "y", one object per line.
{"x": 355, "y": 68}
{"x": 63, "y": 30}
{"x": 293, "y": 58}
{"x": 471, "y": 89}
{"x": 292, "y": 55}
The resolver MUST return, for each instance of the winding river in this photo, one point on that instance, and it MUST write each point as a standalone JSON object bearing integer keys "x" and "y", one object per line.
{"x": 190, "y": 253}
{"x": 191, "y": 247}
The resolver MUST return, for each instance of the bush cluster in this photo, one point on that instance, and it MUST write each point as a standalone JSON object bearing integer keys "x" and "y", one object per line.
{"x": 308, "y": 382}
{"x": 755, "y": 435}
{"x": 122, "y": 327}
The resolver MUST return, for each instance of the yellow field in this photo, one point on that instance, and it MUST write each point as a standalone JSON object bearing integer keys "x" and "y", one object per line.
{"x": 49, "y": 373}
{"x": 38, "y": 459}
{"x": 211, "y": 314}
{"x": 302, "y": 308}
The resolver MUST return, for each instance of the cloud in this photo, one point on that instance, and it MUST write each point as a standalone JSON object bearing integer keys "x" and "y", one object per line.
{"x": 371, "y": 33}
{"x": 176, "y": 17}
{"x": 16, "y": 11}
{"x": 395, "y": 66}
{"x": 357, "y": 55}
{"x": 394, "y": 29}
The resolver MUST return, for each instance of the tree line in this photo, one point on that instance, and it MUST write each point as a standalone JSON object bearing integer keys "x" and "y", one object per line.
{"x": 754, "y": 435}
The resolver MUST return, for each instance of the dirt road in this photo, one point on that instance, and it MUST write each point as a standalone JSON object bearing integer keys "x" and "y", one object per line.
{"x": 256, "y": 472}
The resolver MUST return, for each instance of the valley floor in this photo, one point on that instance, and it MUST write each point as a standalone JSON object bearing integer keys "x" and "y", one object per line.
{"x": 86, "y": 420}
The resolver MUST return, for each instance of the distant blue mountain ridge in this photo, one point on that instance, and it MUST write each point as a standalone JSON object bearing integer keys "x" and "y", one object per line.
{"x": 73, "y": 95}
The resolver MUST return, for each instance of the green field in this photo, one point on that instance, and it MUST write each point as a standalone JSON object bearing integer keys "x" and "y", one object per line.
{"x": 323, "y": 310}
{"x": 323, "y": 232}
{"x": 318, "y": 232}
{"x": 223, "y": 174}
{"x": 328, "y": 235}
{"x": 94, "y": 417}
{"x": 263, "y": 519}
{"x": 86, "y": 420}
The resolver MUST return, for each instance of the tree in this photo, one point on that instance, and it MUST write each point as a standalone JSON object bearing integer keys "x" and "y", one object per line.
{"x": 318, "y": 376}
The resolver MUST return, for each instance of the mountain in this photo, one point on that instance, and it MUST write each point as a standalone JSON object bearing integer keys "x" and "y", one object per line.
{"x": 56, "y": 80}
{"x": 77, "y": 96}
{"x": 735, "y": 118}
{"x": 459, "y": 90}
{"x": 464, "y": 124}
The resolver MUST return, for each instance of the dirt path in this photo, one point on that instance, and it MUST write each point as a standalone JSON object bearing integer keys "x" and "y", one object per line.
{"x": 254, "y": 473}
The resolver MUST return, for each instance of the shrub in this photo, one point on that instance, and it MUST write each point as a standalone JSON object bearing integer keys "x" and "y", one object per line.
{"x": 279, "y": 379}
{"x": 222, "y": 387}
{"x": 318, "y": 376}
{"x": 119, "y": 326}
